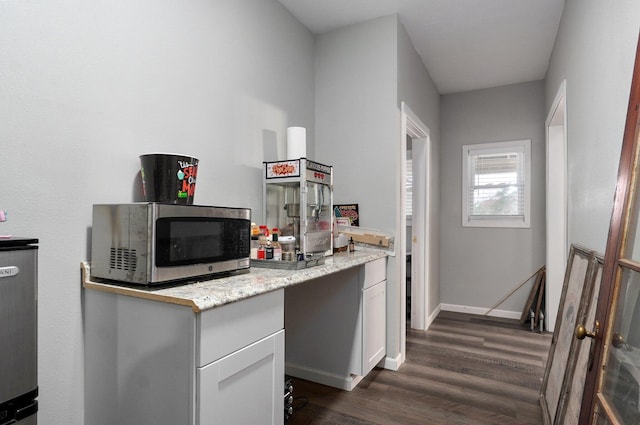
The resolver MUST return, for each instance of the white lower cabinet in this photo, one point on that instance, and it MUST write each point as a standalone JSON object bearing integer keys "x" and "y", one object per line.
{"x": 374, "y": 312}
{"x": 149, "y": 362}
{"x": 336, "y": 326}
{"x": 157, "y": 363}
{"x": 244, "y": 387}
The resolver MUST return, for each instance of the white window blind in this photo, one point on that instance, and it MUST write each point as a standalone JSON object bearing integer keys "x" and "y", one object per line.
{"x": 409, "y": 188}
{"x": 496, "y": 184}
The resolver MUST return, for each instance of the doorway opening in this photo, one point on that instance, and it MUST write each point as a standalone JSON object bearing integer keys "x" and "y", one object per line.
{"x": 408, "y": 204}
{"x": 556, "y": 215}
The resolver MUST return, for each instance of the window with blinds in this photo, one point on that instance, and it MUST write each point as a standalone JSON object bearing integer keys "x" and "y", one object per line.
{"x": 408, "y": 181}
{"x": 496, "y": 184}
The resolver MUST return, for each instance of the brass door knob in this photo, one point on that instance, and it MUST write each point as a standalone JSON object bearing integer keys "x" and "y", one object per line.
{"x": 617, "y": 340}
{"x": 582, "y": 332}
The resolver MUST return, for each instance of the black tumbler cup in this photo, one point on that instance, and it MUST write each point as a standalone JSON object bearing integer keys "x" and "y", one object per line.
{"x": 169, "y": 178}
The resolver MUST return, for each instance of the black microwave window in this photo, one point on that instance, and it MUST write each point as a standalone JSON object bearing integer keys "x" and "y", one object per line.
{"x": 195, "y": 240}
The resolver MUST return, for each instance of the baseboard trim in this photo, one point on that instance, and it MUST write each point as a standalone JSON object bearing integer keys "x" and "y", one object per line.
{"x": 346, "y": 383}
{"x": 433, "y": 316}
{"x": 481, "y": 311}
{"x": 392, "y": 363}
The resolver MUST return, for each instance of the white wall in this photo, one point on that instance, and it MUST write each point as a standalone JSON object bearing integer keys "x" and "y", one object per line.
{"x": 355, "y": 115}
{"x": 85, "y": 87}
{"x": 357, "y": 129}
{"x": 481, "y": 265}
{"x": 363, "y": 72}
{"x": 594, "y": 52}
{"x": 417, "y": 90}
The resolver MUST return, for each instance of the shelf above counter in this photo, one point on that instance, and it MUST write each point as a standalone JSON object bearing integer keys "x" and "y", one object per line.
{"x": 212, "y": 293}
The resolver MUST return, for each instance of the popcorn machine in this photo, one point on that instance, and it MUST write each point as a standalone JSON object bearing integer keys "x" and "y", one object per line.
{"x": 298, "y": 200}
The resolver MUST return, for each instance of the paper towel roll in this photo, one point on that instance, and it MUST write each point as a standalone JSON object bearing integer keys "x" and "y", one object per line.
{"x": 296, "y": 142}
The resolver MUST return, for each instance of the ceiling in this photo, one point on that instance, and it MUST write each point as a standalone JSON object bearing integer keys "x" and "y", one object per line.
{"x": 464, "y": 44}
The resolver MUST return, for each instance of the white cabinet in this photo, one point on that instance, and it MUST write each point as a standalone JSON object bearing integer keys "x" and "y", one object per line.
{"x": 240, "y": 374}
{"x": 156, "y": 363}
{"x": 336, "y": 325}
{"x": 374, "y": 312}
{"x": 240, "y": 388}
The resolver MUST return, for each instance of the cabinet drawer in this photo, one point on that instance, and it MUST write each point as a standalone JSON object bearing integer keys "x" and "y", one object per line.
{"x": 244, "y": 387}
{"x": 374, "y": 272}
{"x": 225, "y": 329}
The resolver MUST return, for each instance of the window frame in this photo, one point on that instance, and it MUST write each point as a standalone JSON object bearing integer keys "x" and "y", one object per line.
{"x": 507, "y": 221}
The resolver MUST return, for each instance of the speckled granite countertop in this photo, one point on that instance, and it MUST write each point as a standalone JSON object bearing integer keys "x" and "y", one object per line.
{"x": 204, "y": 295}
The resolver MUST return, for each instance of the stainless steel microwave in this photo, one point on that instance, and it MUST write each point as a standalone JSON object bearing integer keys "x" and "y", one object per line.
{"x": 154, "y": 243}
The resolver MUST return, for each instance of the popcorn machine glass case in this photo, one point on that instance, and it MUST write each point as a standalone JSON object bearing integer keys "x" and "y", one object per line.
{"x": 298, "y": 200}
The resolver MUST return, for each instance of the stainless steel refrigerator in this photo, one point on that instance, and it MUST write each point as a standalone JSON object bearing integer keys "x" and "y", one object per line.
{"x": 18, "y": 331}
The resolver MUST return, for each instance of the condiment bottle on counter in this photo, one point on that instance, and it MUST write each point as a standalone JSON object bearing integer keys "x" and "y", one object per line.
{"x": 277, "y": 249}
{"x": 268, "y": 250}
{"x": 352, "y": 245}
{"x": 287, "y": 243}
{"x": 262, "y": 247}
{"x": 255, "y": 233}
{"x": 255, "y": 244}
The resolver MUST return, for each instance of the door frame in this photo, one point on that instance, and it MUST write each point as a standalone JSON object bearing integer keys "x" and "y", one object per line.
{"x": 556, "y": 205}
{"x": 412, "y": 127}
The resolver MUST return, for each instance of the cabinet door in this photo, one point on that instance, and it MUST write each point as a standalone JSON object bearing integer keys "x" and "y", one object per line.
{"x": 245, "y": 387}
{"x": 374, "y": 312}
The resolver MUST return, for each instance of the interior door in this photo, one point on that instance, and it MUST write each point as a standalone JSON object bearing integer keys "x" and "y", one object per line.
{"x": 612, "y": 383}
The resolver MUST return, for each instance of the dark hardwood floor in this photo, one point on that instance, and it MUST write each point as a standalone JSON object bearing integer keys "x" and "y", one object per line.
{"x": 464, "y": 370}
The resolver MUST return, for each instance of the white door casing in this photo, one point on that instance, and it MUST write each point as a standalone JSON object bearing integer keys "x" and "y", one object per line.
{"x": 413, "y": 128}
{"x": 556, "y": 196}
